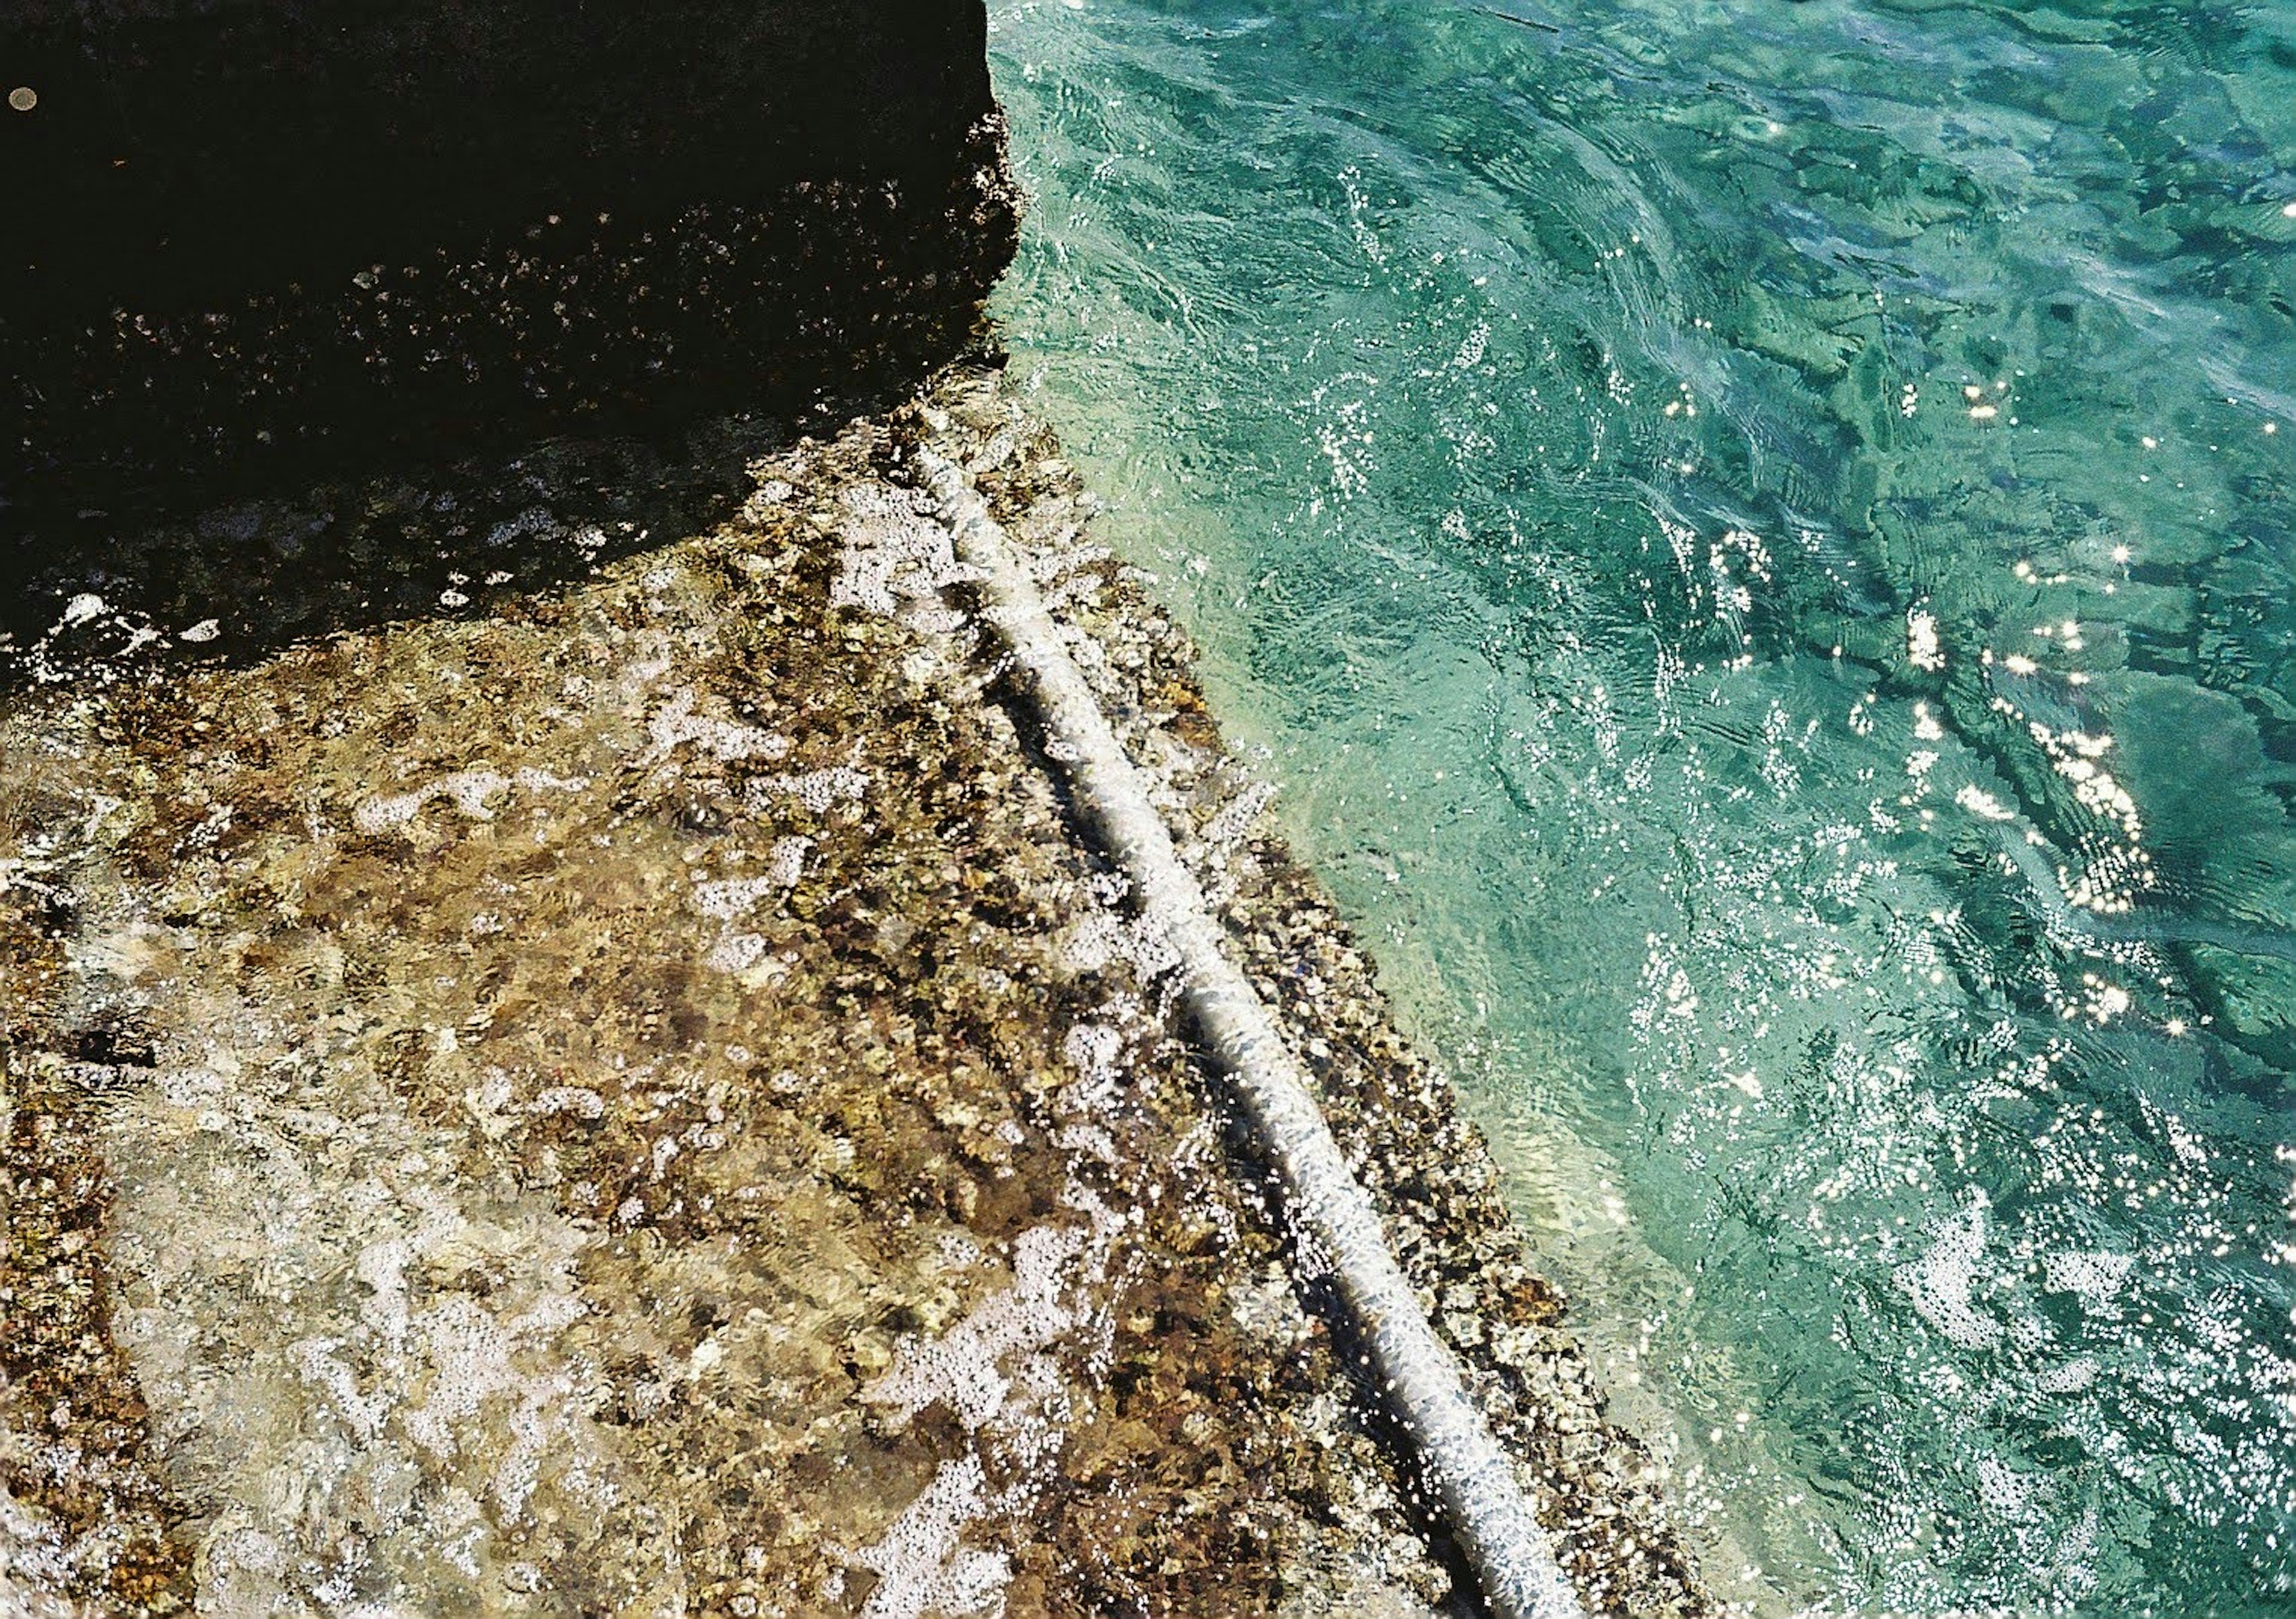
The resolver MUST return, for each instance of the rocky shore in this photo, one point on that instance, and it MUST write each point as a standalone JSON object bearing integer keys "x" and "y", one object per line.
{"x": 561, "y": 1049}
{"x": 630, "y": 1097}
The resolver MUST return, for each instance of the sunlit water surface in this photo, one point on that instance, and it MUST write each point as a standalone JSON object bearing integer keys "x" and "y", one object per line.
{"x": 1757, "y": 540}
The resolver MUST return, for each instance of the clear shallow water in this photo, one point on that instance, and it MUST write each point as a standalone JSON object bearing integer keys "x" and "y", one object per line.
{"x": 1758, "y": 543}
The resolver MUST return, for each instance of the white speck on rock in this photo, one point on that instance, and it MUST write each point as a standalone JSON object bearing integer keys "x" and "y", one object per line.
{"x": 35, "y": 1566}
{"x": 787, "y": 863}
{"x": 469, "y": 790}
{"x": 678, "y": 724}
{"x": 736, "y": 952}
{"x": 817, "y": 789}
{"x": 735, "y": 897}
{"x": 922, "y": 1563}
{"x": 965, "y": 1367}
{"x": 894, "y": 555}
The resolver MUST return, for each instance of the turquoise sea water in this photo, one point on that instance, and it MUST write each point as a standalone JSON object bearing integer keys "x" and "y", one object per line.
{"x": 1757, "y": 541}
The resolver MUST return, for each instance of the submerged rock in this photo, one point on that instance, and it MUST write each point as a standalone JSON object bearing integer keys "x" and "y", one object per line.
{"x": 616, "y": 1121}
{"x": 636, "y": 1101}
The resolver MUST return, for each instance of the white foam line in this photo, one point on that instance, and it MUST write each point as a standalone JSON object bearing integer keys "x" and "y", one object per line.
{"x": 1486, "y": 1509}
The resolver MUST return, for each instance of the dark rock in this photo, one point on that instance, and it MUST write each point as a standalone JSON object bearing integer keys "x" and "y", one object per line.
{"x": 245, "y": 238}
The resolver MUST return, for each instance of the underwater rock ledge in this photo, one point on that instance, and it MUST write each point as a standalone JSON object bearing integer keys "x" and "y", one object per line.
{"x": 636, "y": 1101}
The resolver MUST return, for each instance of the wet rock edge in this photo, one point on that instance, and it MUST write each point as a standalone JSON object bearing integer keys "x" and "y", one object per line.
{"x": 1396, "y": 1117}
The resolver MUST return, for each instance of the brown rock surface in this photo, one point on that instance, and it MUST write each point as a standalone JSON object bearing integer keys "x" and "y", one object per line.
{"x": 634, "y": 1100}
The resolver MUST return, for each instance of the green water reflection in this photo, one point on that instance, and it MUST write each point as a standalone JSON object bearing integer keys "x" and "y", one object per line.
{"x": 1759, "y": 541}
